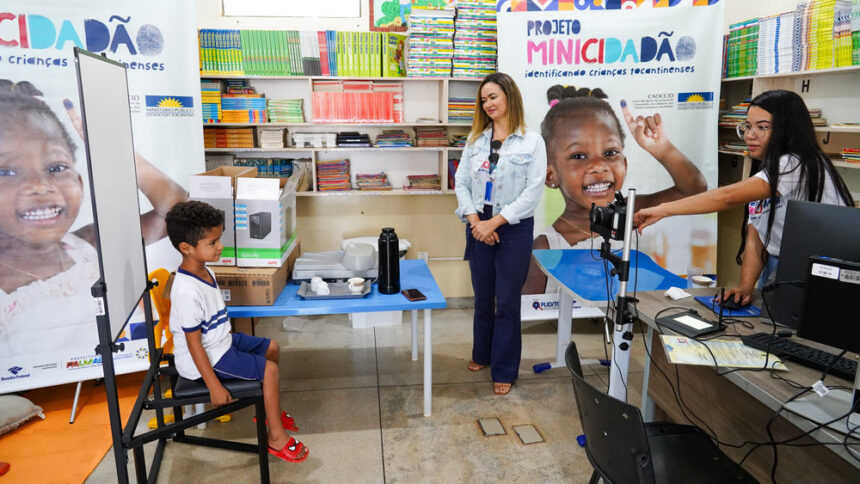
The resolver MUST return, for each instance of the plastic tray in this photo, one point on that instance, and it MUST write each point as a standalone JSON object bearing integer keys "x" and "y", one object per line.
{"x": 337, "y": 290}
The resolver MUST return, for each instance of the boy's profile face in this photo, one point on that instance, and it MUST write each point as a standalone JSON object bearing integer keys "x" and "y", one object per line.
{"x": 208, "y": 248}
{"x": 587, "y": 162}
{"x": 40, "y": 191}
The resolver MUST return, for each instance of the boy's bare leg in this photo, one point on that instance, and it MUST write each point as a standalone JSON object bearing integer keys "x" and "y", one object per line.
{"x": 273, "y": 352}
{"x": 278, "y": 438}
{"x": 272, "y": 401}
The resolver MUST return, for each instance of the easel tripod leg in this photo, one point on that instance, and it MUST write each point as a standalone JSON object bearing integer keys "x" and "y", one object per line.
{"x": 75, "y": 403}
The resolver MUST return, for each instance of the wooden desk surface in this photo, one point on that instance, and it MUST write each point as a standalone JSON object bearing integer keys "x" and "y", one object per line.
{"x": 737, "y": 406}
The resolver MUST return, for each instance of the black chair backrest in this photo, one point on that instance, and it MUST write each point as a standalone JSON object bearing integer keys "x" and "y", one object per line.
{"x": 616, "y": 443}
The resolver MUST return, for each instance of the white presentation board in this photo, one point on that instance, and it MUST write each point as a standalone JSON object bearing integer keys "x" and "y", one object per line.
{"x": 113, "y": 182}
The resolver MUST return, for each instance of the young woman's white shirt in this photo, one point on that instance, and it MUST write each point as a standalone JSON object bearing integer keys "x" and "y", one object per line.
{"x": 789, "y": 188}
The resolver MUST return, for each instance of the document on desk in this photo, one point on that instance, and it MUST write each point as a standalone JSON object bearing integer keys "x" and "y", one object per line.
{"x": 725, "y": 353}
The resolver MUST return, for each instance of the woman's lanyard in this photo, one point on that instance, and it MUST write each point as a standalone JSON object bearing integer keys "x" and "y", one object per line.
{"x": 489, "y": 192}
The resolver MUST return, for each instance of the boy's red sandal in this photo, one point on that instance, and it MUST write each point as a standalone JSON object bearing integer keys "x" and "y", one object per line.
{"x": 288, "y": 422}
{"x": 292, "y": 451}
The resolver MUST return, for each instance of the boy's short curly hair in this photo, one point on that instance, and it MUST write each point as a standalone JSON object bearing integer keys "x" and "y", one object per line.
{"x": 188, "y": 221}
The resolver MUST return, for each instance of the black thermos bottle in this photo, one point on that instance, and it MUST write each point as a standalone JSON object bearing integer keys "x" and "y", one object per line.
{"x": 389, "y": 262}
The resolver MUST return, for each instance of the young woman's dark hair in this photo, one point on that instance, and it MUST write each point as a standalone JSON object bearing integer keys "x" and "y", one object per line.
{"x": 792, "y": 133}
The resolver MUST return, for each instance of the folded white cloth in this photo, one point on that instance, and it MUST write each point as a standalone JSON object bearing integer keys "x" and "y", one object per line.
{"x": 677, "y": 293}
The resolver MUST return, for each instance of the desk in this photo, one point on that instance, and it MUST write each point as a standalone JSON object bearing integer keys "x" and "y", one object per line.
{"x": 581, "y": 274}
{"x": 738, "y": 405}
{"x": 414, "y": 274}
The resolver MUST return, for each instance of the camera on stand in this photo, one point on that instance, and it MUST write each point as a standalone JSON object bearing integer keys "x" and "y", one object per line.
{"x": 609, "y": 221}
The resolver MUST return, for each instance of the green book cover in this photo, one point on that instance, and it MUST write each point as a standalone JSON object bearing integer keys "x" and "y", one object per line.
{"x": 281, "y": 55}
{"x": 204, "y": 54}
{"x": 218, "y": 65}
{"x": 297, "y": 48}
{"x": 347, "y": 54}
{"x": 288, "y": 54}
{"x": 243, "y": 40}
{"x": 291, "y": 51}
{"x": 254, "y": 37}
{"x": 270, "y": 53}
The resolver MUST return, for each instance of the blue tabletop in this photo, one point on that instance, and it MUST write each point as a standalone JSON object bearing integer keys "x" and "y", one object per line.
{"x": 579, "y": 272}
{"x": 414, "y": 274}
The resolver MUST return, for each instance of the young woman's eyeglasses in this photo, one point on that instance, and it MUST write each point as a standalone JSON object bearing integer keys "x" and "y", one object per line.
{"x": 744, "y": 128}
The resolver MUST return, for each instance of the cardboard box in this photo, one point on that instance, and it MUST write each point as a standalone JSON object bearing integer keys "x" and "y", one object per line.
{"x": 218, "y": 188}
{"x": 255, "y": 286}
{"x": 265, "y": 221}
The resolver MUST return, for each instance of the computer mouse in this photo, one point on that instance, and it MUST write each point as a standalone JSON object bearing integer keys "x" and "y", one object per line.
{"x": 732, "y": 305}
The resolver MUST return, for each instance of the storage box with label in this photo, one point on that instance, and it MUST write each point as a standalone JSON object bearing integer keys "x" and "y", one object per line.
{"x": 217, "y": 188}
{"x": 255, "y": 286}
{"x": 265, "y": 221}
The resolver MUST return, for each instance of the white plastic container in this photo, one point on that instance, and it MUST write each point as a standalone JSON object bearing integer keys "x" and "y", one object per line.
{"x": 381, "y": 318}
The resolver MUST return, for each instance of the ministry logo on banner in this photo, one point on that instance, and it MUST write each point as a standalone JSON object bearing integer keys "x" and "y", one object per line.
{"x": 696, "y": 100}
{"x": 170, "y": 106}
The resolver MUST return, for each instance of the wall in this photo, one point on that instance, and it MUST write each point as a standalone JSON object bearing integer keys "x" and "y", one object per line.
{"x": 740, "y": 10}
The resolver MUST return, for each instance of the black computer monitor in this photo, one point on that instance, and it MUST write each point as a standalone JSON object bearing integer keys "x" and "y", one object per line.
{"x": 810, "y": 229}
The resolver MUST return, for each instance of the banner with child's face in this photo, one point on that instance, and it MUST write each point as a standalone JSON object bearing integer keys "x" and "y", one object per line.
{"x": 647, "y": 75}
{"x": 48, "y": 260}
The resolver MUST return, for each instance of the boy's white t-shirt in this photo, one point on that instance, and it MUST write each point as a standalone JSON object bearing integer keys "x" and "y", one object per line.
{"x": 196, "y": 304}
{"x": 789, "y": 188}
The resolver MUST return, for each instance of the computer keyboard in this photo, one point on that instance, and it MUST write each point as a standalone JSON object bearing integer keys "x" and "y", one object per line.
{"x": 800, "y": 353}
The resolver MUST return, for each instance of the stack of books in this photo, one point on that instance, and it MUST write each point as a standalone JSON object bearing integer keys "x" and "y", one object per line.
{"x": 228, "y": 137}
{"x": 393, "y": 139}
{"x": 353, "y": 139}
{"x": 372, "y": 181}
{"x": 268, "y": 167}
{"x": 220, "y": 52}
{"x": 333, "y": 175}
{"x": 817, "y": 120}
{"x": 285, "y": 110}
{"x": 851, "y": 155}
{"x": 855, "y": 32}
{"x": 339, "y": 101}
{"x": 453, "y": 164}
{"x": 423, "y": 182}
{"x": 742, "y": 49}
{"x": 738, "y": 147}
{"x": 842, "y": 43}
{"x": 210, "y": 100}
{"x": 243, "y": 108}
{"x": 475, "y": 39}
{"x": 461, "y": 109}
{"x": 736, "y": 116}
{"x": 430, "y": 136}
{"x": 459, "y": 140}
{"x": 775, "y": 44}
{"x": 271, "y": 138}
{"x": 431, "y": 40}
{"x": 822, "y": 34}
{"x": 295, "y": 53}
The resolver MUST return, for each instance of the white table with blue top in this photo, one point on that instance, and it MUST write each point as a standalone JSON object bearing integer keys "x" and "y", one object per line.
{"x": 414, "y": 274}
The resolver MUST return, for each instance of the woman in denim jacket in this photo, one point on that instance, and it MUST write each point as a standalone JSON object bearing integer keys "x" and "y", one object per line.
{"x": 499, "y": 183}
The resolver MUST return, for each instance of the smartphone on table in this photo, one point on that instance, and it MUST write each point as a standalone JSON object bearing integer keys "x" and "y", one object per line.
{"x": 413, "y": 294}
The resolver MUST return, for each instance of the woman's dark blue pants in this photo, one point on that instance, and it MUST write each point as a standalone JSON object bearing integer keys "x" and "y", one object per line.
{"x": 498, "y": 274}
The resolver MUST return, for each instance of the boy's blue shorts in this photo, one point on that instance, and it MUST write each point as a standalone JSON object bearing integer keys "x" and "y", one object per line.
{"x": 245, "y": 360}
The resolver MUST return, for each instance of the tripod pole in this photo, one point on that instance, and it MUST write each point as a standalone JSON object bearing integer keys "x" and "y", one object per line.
{"x": 622, "y": 335}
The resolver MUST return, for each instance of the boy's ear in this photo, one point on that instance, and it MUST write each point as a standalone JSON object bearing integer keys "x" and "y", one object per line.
{"x": 185, "y": 248}
{"x": 551, "y": 180}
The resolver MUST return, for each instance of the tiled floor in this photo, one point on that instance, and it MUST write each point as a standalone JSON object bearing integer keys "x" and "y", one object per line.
{"x": 357, "y": 397}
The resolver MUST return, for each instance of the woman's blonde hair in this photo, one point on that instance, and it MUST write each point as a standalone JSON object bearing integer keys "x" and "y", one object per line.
{"x": 516, "y": 121}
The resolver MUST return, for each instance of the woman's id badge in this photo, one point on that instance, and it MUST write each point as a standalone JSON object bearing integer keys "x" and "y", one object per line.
{"x": 486, "y": 180}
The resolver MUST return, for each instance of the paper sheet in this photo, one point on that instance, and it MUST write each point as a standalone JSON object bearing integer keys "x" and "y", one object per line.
{"x": 730, "y": 353}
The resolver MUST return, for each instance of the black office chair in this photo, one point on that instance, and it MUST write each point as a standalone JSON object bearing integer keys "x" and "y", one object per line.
{"x": 623, "y": 449}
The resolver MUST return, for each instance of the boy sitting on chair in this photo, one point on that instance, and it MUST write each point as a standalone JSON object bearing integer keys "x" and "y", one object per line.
{"x": 204, "y": 347}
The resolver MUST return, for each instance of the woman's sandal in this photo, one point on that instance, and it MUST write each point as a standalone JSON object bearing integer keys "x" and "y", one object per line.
{"x": 292, "y": 451}
{"x": 288, "y": 422}
{"x": 475, "y": 366}
{"x": 500, "y": 388}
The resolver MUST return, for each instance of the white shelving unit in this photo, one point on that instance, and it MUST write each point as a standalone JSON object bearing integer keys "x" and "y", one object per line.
{"x": 834, "y": 91}
{"x": 425, "y": 104}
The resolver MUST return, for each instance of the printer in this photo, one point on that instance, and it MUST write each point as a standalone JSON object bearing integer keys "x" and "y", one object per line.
{"x": 355, "y": 260}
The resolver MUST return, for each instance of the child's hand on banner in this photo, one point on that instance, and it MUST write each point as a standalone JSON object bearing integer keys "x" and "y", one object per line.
{"x": 648, "y": 132}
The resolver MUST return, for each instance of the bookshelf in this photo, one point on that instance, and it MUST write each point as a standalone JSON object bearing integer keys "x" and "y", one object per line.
{"x": 424, "y": 104}
{"x": 835, "y": 92}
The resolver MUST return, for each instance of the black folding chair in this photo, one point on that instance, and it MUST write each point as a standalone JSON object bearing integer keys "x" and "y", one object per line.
{"x": 623, "y": 449}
